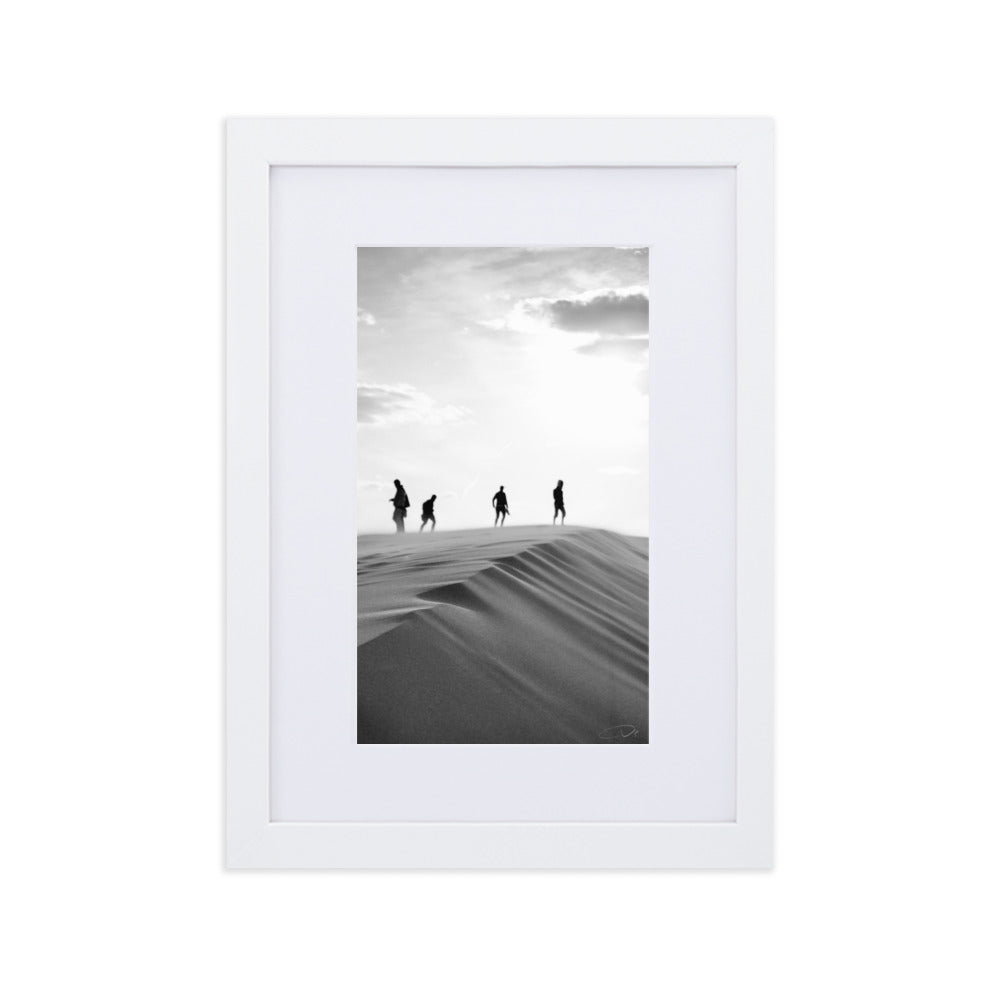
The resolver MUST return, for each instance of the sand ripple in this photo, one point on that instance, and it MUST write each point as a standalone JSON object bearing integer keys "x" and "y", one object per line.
{"x": 533, "y": 635}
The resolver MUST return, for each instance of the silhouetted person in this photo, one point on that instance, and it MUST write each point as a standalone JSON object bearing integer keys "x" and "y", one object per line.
{"x": 427, "y": 513}
{"x": 500, "y": 506}
{"x": 399, "y": 504}
{"x": 560, "y": 506}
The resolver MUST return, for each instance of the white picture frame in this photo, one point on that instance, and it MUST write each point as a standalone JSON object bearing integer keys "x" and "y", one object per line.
{"x": 254, "y": 147}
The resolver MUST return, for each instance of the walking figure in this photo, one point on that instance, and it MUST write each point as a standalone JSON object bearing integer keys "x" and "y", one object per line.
{"x": 500, "y": 506}
{"x": 557, "y": 496}
{"x": 399, "y": 504}
{"x": 427, "y": 513}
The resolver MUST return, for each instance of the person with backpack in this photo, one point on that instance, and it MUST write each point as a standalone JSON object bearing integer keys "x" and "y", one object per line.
{"x": 399, "y": 504}
{"x": 500, "y": 506}
{"x": 427, "y": 513}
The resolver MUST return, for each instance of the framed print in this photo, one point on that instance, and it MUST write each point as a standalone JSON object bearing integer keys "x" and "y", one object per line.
{"x": 499, "y": 480}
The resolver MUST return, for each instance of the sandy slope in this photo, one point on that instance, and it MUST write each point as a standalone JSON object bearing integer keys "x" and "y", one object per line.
{"x": 510, "y": 635}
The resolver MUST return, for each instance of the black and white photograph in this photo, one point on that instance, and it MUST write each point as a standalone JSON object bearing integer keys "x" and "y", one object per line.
{"x": 503, "y": 495}
{"x": 500, "y": 502}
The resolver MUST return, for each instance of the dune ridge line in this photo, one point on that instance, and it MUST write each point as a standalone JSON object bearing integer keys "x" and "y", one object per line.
{"x": 529, "y": 635}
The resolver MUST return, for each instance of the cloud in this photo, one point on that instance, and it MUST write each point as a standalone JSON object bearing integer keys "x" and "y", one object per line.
{"x": 402, "y": 403}
{"x": 365, "y": 318}
{"x": 610, "y": 321}
{"x": 607, "y": 312}
{"x": 619, "y": 346}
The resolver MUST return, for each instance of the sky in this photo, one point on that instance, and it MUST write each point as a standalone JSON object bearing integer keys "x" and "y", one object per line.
{"x": 482, "y": 367}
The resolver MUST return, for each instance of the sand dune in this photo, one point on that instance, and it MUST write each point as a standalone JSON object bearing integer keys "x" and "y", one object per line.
{"x": 510, "y": 635}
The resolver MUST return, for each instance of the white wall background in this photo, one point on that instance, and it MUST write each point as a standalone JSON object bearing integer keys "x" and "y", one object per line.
{"x": 111, "y": 406}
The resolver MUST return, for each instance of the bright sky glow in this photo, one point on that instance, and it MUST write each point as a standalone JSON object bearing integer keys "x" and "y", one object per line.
{"x": 486, "y": 366}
